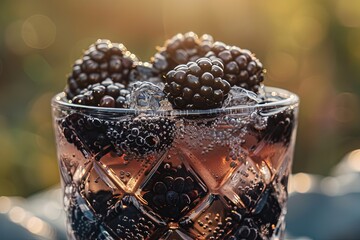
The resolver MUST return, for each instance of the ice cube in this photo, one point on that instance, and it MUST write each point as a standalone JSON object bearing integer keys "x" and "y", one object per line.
{"x": 240, "y": 96}
{"x": 145, "y": 72}
{"x": 146, "y": 96}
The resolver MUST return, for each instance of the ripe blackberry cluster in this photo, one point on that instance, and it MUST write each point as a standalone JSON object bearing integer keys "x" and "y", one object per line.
{"x": 101, "y": 200}
{"x": 267, "y": 212}
{"x": 251, "y": 195}
{"x": 172, "y": 191}
{"x": 107, "y": 72}
{"x": 101, "y": 61}
{"x": 85, "y": 224}
{"x": 241, "y": 67}
{"x": 247, "y": 231}
{"x": 128, "y": 221}
{"x": 132, "y": 137}
{"x": 142, "y": 136}
{"x": 180, "y": 49}
{"x": 104, "y": 94}
{"x": 197, "y": 85}
{"x": 86, "y": 133}
{"x": 278, "y": 128}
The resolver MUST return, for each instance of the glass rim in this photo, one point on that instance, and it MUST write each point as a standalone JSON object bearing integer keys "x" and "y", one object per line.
{"x": 289, "y": 99}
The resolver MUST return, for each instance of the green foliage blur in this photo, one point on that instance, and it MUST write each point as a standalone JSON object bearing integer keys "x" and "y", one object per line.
{"x": 309, "y": 47}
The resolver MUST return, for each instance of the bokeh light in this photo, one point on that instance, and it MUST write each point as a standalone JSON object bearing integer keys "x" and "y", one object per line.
{"x": 38, "y": 31}
{"x": 354, "y": 160}
{"x": 282, "y": 67}
{"x": 330, "y": 186}
{"x": 347, "y": 12}
{"x": 301, "y": 183}
{"x": 5, "y": 204}
{"x": 17, "y": 214}
{"x": 13, "y": 38}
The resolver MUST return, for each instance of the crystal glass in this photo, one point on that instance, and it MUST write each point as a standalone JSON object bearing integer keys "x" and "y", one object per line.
{"x": 195, "y": 174}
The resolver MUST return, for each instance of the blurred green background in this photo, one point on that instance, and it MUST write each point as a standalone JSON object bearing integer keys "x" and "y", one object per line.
{"x": 307, "y": 46}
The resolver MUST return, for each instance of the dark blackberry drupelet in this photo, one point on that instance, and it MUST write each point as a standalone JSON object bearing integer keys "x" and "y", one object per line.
{"x": 279, "y": 127}
{"x": 88, "y": 134}
{"x": 82, "y": 226}
{"x": 93, "y": 136}
{"x": 246, "y": 231}
{"x": 142, "y": 136}
{"x": 251, "y": 195}
{"x": 104, "y": 94}
{"x": 101, "y": 200}
{"x": 197, "y": 85}
{"x": 84, "y": 223}
{"x": 102, "y": 60}
{"x": 267, "y": 212}
{"x": 241, "y": 67}
{"x": 261, "y": 218}
{"x": 173, "y": 191}
{"x": 180, "y": 49}
{"x": 128, "y": 221}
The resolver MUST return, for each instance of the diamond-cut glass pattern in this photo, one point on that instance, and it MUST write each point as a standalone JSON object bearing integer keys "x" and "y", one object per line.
{"x": 225, "y": 182}
{"x": 172, "y": 189}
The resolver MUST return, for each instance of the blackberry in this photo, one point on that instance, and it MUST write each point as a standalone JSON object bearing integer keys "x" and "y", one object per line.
{"x": 262, "y": 214}
{"x": 102, "y": 60}
{"x": 241, "y": 67}
{"x": 246, "y": 231}
{"x": 104, "y": 94}
{"x": 86, "y": 133}
{"x": 280, "y": 126}
{"x": 278, "y": 129}
{"x": 180, "y": 49}
{"x": 128, "y": 221}
{"x": 84, "y": 223}
{"x": 267, "y": 212}
{"x": 82, "y": 226}
{"x": 101, "y": 200}
{"x": 197, "y": 85}
{"x": 251, "y": 195}
{"x": 173, "y": 191}
{"x": 134, "y": 137}
{"x": 142, "y": 136}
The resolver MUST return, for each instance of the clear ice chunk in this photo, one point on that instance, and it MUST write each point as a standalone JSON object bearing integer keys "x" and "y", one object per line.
{"x": 240, "y": 96}
{"x": 147, "y": 96}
